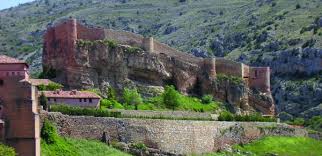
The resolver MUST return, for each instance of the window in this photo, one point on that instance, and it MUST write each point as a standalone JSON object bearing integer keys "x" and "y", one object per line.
{"x": 1, "y": 83}
{"x": 48, "y": 99}
{"x": 90, "y": 100}
{"x": 7, "y": 73}
{"x": 80, "y": 100}
{"x": 13, "y": 73}
{"x": 256, "y": 73}
{"x": 85, "y": 100}
{"x": 55, "y": 100}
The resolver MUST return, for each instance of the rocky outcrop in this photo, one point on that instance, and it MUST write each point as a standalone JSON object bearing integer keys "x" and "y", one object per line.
{"x": 84, "y": 57}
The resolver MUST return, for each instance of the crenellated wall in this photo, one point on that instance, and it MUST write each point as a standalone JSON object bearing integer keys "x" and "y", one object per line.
{"x": 157, "y": 65}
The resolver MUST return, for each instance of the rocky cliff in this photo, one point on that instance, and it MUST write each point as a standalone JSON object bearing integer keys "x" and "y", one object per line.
{"x": 99, "y": 64}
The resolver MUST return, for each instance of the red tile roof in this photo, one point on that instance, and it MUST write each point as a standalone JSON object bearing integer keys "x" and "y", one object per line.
{"x": 9, "y": 60}
{"x": 70, "y": 94}
{"x": 37, "y": 82}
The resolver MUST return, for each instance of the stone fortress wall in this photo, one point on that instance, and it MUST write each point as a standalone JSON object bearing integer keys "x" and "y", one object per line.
{"x": 173, "y": 136}
{"x": 70, "y": 31}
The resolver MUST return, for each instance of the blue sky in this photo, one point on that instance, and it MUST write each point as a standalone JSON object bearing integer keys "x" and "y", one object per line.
{"x": 10, "y": 3}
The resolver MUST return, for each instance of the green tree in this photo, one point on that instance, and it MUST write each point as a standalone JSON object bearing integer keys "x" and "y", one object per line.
{"x": 7, "y": 151}
{"x": 171, "y": 97}
{"x": 207, "y": 99}
{"x": 43, "y": 101}
{"x": 111, "y": 93}
{"x": 49, "y": 132}
{"x": 132, "y": 97}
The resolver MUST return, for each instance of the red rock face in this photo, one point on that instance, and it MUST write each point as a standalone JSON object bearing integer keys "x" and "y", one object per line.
{"x": 97, "y": 65}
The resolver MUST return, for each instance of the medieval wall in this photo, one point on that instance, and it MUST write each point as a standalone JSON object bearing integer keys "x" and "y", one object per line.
{"x": 259, "y": 78}
{"x": 174, "y": 136}
{"x": 19, "y": 104}
{"x": 228, "y": 67}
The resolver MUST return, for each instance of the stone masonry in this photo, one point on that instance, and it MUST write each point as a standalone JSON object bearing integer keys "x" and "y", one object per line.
{"x": 97, "y": 65}
{"x": 172, "y": 136}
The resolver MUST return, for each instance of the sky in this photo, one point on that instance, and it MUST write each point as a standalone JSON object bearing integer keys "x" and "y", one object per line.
{"x": 10, "y": 3}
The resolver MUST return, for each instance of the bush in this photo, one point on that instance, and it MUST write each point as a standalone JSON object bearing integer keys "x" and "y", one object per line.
{"x": 207, "y": 99}
{"x": 111, "y": 93}
{"x": 48, "y": 73}
{"x": 43, "y": 101}
{"x": 231, "y": 79}
{"x": 140, "y": 146}
{"x": 298, "y": 6}
{"x": 315, "y": 123}
{"x": 50, "y": 87}
{"x": 132, "y": 97}
{"x": 171, "y": 97}
{"x": 69, "y": 110}
{"x": 49, "y": 132}
{"x": 227, "y": 116}
{"x": 6, "y": 150}
{"x": 110, "y": 104}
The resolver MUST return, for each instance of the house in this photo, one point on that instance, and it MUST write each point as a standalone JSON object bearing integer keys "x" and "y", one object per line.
{"x": 73, "y": 98}
{"x": 19, "y": 117}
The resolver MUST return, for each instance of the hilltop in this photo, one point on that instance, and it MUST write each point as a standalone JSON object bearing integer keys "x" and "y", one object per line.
{"x": 283, "y": 34}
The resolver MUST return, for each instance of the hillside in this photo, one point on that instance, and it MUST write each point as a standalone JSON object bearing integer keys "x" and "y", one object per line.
{"x": 284, "y": 34}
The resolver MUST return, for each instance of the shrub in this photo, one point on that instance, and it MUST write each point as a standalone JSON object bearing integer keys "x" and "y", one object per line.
{"x": 132, "y": 97}
{"x": 231, "y": 79}
{"x": 226, "y": 116}
{"x": 50, "y": 87}
{"x": 69, "y": 110}
{"x": 110, "y": 43}
{"x": 133, "y": 49}
{"x": 171, "y": 97}
{"x": 106, "y": 103}
{"x": 48, "y": 73}
{"x": 140, "y": 146}
{"x": 207, "y": 99}
{"x": 49, "y": 132}
{"x": 298, "y": 6}
{"x": 6, "y": 150}
{"x": 111, "y": 93}
{"x": 315, "y": 123}
{"x": 43, "y": 101}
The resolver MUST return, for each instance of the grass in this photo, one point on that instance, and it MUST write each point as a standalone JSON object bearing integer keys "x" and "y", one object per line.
{"x": 79, "y": 147}
{"x": 282, "y": 146}
{"x": 286, "y": 146}
{"x": 52, "y": 144}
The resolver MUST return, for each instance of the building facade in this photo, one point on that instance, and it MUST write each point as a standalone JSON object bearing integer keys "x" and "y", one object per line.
{"x": 73, "y": 98}
{"x": 18, "y": 108}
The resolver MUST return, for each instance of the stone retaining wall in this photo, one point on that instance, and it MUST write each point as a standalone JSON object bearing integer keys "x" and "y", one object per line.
{"x": 174, "y": 136}
{"x": 167, "y": 114}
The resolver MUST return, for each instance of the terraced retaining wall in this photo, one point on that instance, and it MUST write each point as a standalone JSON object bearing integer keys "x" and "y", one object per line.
{"x": 173, "y": 136}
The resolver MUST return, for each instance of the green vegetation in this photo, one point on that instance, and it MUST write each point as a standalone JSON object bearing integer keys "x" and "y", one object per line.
{"x": 133, "y": 49}
{"x": 68, "y": 110}
{"x": 48, "y": 73}
{"x": 284, "y": 146}
{"x": 52, "y": 144}
{"x": 132, "y": 97}
{"x": 288, "y": 146}
{"x": 88, "y": 43}
{"x": 171, "y": 97}
{"x": 50, "y": 87}
{"x": 315, "y": 123}
{"x": 231, "y": 79}
{"x": 227, "y": 116}
{"x": 6, "y": 151}
{"x": 43, "y": 101}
